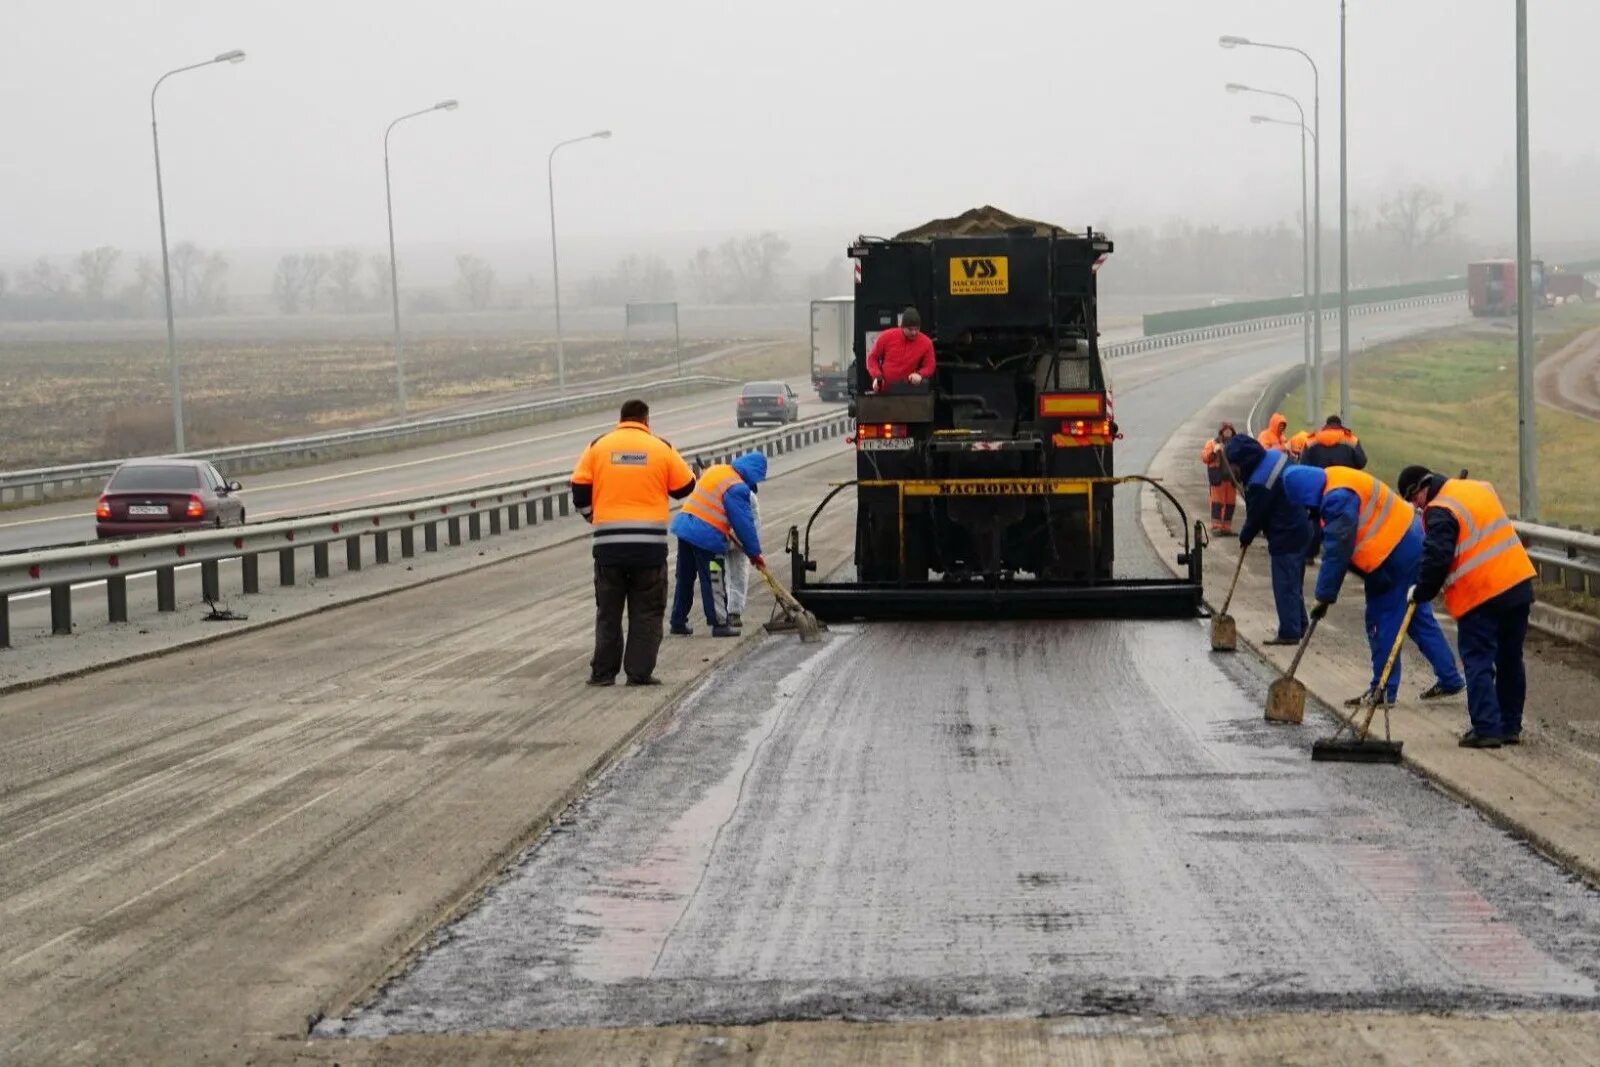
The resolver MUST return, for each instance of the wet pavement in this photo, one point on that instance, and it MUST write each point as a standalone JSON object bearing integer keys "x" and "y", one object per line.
{"x": 927, "y": 820}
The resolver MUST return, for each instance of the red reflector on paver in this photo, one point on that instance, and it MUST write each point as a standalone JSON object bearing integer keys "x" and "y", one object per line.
{"x": 879, "y": 431}
{"x": 1071, "y": 404}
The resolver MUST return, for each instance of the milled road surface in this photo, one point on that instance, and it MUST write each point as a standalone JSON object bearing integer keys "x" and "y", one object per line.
{"x": 919, "y": 821}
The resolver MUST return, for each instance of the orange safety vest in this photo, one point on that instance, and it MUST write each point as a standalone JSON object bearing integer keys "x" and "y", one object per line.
{"x": 706, "y": 503}
{"x": 1489, "y": 555}
{"x": 1383, "y": 521}
{"x": 632, "y": 472}
{"x": 1297, "y": 444}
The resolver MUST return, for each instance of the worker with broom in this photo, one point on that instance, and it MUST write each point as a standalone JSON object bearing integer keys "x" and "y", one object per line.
{"x": 1222, "y": 492}
{"x": 1472, "y": 552}
{"x": 1287, "y": 526}
{"x": 1368, "y": 528}
{"x": 720, "y": 506}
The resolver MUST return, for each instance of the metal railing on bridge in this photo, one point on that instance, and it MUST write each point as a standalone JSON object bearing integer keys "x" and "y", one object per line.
{"x": 467, "y": 513}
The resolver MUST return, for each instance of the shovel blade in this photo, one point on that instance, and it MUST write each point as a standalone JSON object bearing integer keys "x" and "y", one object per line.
{"x": 1224, "y": 634}
{"x": 1286, "y": 701}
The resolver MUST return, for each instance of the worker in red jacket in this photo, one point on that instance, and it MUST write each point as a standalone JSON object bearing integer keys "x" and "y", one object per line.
{"x": 903, "y": 355}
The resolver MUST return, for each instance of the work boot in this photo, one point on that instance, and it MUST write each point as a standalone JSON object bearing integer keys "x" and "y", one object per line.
{"x": 1437, "y": 691}
{"x": 735, "y": 619}
{"x": 1512, "y": 739}
{"x": 724, "y": 631}
{"x": 682, "y": 629}
{"x": 595, "y": 679}
{"x": 652, "y": 680}
{"x": 1275, "y": 639}
{"x": 1361, "y": 701}
{"x": 1472, "y": 740}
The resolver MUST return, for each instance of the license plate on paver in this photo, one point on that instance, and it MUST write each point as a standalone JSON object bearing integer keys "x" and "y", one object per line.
{"x": 892, "y": 444}
{"x": 140, "y": 511}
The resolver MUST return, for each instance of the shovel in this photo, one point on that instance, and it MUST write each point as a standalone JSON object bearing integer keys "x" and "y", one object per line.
{"x": 806, "y": 623}
{"x": 1224, "y": 632}
{"x": 1286, "y": 697}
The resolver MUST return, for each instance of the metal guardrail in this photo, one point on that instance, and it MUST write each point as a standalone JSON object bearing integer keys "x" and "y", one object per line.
{"x": 505, "y": 506}
{"x": 1233, "y": 329}
{"x": 1570, "y": 558}
{"x": 42, "y": 482}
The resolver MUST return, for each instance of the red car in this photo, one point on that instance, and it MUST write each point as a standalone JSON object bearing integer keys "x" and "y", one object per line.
{"x": 148, "y": 496}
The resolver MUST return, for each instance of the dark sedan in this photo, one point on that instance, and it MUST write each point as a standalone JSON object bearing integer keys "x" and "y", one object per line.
{"x": 148, "y": 496}
{"x": 767, "y": 402}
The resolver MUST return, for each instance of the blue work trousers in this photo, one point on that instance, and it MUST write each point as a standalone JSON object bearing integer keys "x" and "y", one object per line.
{"x": 708, "y": 568}
{"x": 1288, "y": 592}
{"x": 1386, "y": 608}
{"x": 1490, "y": 638}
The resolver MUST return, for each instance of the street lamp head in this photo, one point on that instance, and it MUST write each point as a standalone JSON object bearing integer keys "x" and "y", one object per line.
{"x": 1235, "y": 87}
{"x": 1230, "y": 41}
{"x": 604, "y": 135}
{"x": 1259, "y": 119}
{"x": 235, "y": 56}
{"x": 447, "y": 105}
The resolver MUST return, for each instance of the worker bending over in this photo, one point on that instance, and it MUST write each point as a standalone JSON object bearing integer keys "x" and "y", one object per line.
{"x": 903, "y": 356}
{"x": 720, "y": 506}
{"x": 1287, "y": 526}
{"x": 1472, "y": 552}
{"x": 1368, "y": 528}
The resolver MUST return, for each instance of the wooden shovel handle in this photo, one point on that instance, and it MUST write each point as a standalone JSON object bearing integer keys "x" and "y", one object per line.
{"x": 1294, "y": 664}
{"x": 1238, "y": 568}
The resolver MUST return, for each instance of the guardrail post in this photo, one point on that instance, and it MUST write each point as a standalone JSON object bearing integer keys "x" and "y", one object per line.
{"x": 286, "y": 566}
{"x": 531, "y": 512}
{"x": 550, "y": 508}
{"x": 380, "y": 547}
{"x": 166, "y": 589}
{"x": 210, "y": 580}
{"x": 453, "y": 530}
{"x": 430, "y": 537}
{"x": 5, "y": 621}
{"x": 250, "y": 572}
{"x": 1574, "y": 577}
{"x": 408, "y": 542}
{"x": 494, "y": 521}
{"x": 352, "y": 553}
{"x": 61, "y": 610}
{"x": 513, "y": 517}
{"x": 117, "y": 598}
{"x": 564, "y": 504}
{"x": 475, "y": 526}
{"x": 319, "y": 560}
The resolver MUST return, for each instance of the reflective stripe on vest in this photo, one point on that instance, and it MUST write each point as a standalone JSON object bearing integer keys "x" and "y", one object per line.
{"x": 1489, "y": 557}
{"x": 1277, "y": 469}
{"x": 1383, "y": 520}
{"x": 706, "y": 501}
{"x": 630, "y": 532}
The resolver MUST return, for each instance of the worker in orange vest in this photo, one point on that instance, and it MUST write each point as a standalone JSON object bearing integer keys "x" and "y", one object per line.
{"x": 621, "y": 487}
{"x": 1223, "y": 494}
{"x": 722, "y": 508}
{"x": 1369, "y": 529}
{"x": 1274, "y": 435}
{"x": 1472, "y": 552}
{"x": 1296, "y": 445}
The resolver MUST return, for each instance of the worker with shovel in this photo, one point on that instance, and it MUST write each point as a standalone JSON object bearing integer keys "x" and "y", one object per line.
{"x": 719, "y": 507}
{"x": 1472, "y": 552}
{"x": 1287, "y": 526}
{"x": 1368, "y": 528}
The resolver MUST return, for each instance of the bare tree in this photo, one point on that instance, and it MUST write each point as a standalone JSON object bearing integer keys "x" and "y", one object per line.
{"x": 143, "y": 294}
{"x": 42, "y": 280}
{"x": 702, "y": 272}
{"x": 476, "y": 283}
{"x": 382, "y": 289}
{"x": 752, "y": 265}
{"x": 185, "y": 262}
{"x": 4, "y": 285}
{"x": 315, "y": 267}
{"x": 289, "y": 283}
{"x": 342, "y": 272}
{"x": 211, "y": 291}
{"x": 1417, "y": 218}
{"x": 94, "y": 267}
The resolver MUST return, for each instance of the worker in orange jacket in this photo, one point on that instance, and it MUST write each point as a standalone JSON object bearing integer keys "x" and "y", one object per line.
{"x": 1296, "y": 445}
{"x": 1472, "y": 553}
{"x": 1223, "y": 494}
{"x": 1276, "y": 433}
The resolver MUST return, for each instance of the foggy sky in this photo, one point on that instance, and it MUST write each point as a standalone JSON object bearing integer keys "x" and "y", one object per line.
{"x": 866, "y": 115}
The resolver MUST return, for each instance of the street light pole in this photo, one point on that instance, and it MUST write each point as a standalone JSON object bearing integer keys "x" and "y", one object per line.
{"x": 234, "y": 56}
{"x": 1316, "y": 195}
{"x": 1344, "y": 226}
{"x": 555, "y": 259}
{"x": 1527, "y": 443}
{"x": 394, "y": 270}
{"x": 1305, "y": 248}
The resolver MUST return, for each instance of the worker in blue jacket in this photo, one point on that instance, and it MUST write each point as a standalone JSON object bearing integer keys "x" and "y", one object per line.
{"x": 1335, "y": 495}
{"x": 720, "y": 507}
{"x": 1287, "y": 526}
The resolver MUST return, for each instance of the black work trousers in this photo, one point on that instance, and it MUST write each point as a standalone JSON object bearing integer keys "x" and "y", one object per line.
{"x": 643, "y": 592}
